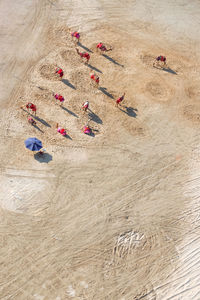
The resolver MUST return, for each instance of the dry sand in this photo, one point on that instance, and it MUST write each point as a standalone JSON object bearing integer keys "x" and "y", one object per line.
{"x": 116, "y": 215}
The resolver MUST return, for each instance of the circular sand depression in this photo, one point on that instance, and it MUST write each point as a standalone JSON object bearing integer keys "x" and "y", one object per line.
{"x": 172, "y": 63}
{"x": 158, "y": 91}
{"x": 48, "y": 71}
{"x": 193, "y": 91}
{"x": 134, "y": 127}
{"x": 192, "y": 112}
{"x": 44, "y": 95}
{"x": 62, "y": 32}
{"x": 80, "y": 78}
{"x": 71, "y": 57}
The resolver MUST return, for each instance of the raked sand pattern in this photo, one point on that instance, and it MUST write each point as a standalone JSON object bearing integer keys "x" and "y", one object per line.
{"x": 114, "y": 216}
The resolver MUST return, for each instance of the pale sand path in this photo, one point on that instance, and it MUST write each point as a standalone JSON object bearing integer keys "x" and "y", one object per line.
{"x": 133, "y": 183}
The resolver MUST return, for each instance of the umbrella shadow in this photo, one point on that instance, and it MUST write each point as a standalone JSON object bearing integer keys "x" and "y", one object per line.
{"x": 130, "y": 111}
{"x": 84, "y": 47}
{"x": 94, "y": 68}
{"x": 69, "y": 111}
{"x": 93, "y": 117}
{"x": 113, "y": 60}
{"x": 65, "y": 81}
{"x": 45, "y": 157}
{"x": 105, "y": 92}
{"x": 41, "y": 121}
{"x": 168, "y": 70}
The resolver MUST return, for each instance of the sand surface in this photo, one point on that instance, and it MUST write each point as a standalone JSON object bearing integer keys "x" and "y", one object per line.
{"x": 114, "y": 215}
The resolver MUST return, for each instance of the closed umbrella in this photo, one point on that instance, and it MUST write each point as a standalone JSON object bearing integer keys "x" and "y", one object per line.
{"x": 33, "y": 144}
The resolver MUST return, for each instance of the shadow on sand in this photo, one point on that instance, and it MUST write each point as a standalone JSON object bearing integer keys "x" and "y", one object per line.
{"x": 38, "y": 119}
{"x": 43, "y": 158}
{"x": 130, "y": 111}
{"x": 113, "y": 61}
{"x": 105, "y": 92}
{"x": 94, "y": 68}
{"x": 69, "y": 111}
{"x": 90, "y": 134}
{"x": 35, "y": 126}
{"x": 168, "y": 70}
{"x": 65, "y": 81}
{"x": 67, "y": 136}
{"x": 84, "y": 47}
{"x": 41, "y": 121}
{"x": 93, "y": 117}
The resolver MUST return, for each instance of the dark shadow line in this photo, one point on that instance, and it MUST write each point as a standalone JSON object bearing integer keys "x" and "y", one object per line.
{"x": 41, "y": 120}
{"x": 35, "y": 126}
{"x": 94, "y": 68}
{"x": 112, "y": 60}
{"x": 69, "y": 111}
{"x": 90, "y": 134}
{"x": 94, "y": 117}
{"x": 41, "y": 88}
{"x": 67, "y": 136}
{"x": 84, "y": 47}
{"x": 105, "y": 92}
{"x": 38, "y": 119}
{"x": 65, "y": 81}
{"x": 25, "y": 110}
{"x": 168, "y": 70}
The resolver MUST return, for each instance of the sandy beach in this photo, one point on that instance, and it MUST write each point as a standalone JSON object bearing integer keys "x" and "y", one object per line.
{"x": 116, "y": 215}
